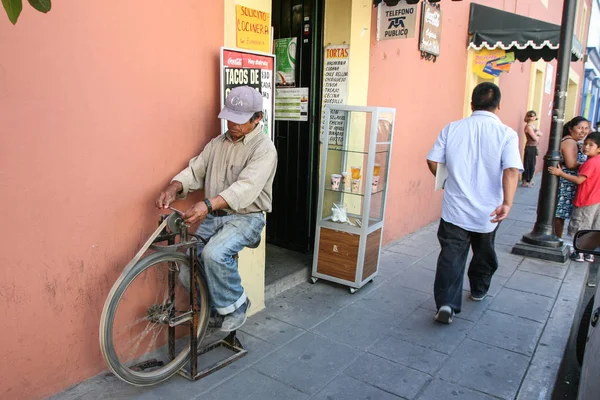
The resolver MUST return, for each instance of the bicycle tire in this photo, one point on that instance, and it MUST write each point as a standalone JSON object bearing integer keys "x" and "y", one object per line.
{"x": 119, "y": 368}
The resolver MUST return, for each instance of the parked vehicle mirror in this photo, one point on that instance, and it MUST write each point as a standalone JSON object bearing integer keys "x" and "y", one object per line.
{"x": 587, "y": 241}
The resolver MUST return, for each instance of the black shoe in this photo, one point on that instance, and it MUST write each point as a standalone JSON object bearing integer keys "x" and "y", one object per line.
{"x": 478, "y": 296}
{"x": 445, "y": 315}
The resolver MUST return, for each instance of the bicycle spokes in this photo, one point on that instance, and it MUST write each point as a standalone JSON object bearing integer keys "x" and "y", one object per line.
{"x": 153, "y": 307}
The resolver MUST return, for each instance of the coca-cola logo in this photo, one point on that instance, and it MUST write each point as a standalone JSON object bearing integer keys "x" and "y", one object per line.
{"x": 235, "y": 61}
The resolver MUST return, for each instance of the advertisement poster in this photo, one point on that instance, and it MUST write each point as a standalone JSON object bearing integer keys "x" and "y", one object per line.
{"x": 291, "y": 104}
{"x": 396, "y": 22}
{"x": 285, "y": 53}
{"x": 499, "y": 65}
{"x": 335, "y": 88}
{"x": 549, "y": 78}
{"x": 431, "y": 29}
{"x": 481, "y": 59}
{"x": 253, "y": 29}
{"x": 245, "y": 68}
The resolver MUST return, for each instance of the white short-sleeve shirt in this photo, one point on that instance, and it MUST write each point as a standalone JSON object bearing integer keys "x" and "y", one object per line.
{"x": 476, "y": 151}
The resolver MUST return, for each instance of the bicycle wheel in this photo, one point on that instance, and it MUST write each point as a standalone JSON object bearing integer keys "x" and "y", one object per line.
{"x": 135, "y": 320}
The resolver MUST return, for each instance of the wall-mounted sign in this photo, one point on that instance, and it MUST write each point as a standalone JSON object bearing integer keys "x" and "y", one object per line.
{"x": 285, "y": 54}
{"x": 247, "y": 68}
{"x": 430, "y": 35}
{"x": 499, "y": 65}
{"x": 335, "y": 81}
{"x": 396, "y": 22}
{"x": 482, "y": 60}
{"x": 291, "y": 104}
{"x": 253, "y": 29}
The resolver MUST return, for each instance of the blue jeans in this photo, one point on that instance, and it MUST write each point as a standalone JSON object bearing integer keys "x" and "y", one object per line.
{"x": 226, "y": 237}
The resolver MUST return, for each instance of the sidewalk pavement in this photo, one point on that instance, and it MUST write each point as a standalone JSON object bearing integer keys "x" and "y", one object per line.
{"x": 321, "y": 342}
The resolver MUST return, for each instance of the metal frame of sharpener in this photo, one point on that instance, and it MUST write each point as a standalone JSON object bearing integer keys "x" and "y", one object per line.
{"x": 230, "y": 342}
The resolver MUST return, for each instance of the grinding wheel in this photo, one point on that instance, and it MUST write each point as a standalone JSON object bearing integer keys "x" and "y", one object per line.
{"x": 173, "y": 221}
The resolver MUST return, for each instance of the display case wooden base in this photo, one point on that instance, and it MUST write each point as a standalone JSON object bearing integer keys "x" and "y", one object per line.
{"x": 339, "y": 257}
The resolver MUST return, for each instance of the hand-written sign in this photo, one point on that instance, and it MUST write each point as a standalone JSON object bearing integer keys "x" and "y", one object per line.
{"x": 335, "y": 80}
{"x": 431, "y": 29}
{"x": 253, "y": 29}
{"x": 335, "y": 74}
{"x": 396, "y": 22}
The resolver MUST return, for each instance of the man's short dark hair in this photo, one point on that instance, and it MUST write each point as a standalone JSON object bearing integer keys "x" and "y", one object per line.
{"x": 486, "y": 97}
{"x": 256, "y": 116}
{"x": 594, "y": 137}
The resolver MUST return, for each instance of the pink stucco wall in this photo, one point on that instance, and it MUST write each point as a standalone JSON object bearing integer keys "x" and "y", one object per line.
{"x": 100, "y": 105}
{"x": 429, "y": 95}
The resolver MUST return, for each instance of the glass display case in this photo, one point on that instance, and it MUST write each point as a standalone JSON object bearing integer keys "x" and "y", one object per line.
{"x": 355, "y": 159}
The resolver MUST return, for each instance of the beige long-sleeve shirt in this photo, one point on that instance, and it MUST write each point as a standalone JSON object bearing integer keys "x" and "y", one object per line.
{"x": 241, "y": 172}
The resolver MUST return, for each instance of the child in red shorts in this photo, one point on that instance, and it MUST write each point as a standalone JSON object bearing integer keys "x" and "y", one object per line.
{"x": 586, "y": 210}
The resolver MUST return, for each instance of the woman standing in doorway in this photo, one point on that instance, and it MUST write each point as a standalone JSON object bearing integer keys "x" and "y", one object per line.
{"x": 573, "y": 131}
{"x": 532, "y": 135}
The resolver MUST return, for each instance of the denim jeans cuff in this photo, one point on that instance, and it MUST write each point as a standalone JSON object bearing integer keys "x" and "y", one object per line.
{"x": 234, "y": 306}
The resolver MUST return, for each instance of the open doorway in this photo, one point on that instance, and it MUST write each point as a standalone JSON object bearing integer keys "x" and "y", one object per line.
{"x": 572, "y": 98}
{"x": 535, "y": 98}
{"x": 291, "y": 224}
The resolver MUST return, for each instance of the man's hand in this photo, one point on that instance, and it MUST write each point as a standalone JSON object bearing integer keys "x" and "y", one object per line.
{"x": 169, "y": 195}
{"x": 500, "y": 213}
{"x": 556, "y": 170}
{"x": 432, "y": 165}
{"x": 196, "y": 213}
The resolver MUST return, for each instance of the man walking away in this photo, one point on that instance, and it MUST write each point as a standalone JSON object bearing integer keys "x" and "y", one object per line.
{"x": 483, "y": 162}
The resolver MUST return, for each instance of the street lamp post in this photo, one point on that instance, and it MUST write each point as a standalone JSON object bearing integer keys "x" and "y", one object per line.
{"x": 542, "y": 241}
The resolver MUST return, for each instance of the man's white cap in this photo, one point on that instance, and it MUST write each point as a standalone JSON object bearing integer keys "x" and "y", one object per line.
{"x": 241, "y": 104}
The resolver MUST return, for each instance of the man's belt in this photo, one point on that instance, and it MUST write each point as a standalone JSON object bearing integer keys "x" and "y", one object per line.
{"x": 220, "y": 213}
{"x": 224, "y": 213}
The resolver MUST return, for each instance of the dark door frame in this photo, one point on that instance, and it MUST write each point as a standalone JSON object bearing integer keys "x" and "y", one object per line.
{"x": 289, "y": 227}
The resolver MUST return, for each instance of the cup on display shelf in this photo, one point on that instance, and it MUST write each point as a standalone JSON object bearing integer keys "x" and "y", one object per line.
{"x": 355, "y": 171}
{"x": 374, "y": 184}
{"x": 376, "y": 169}
{"x": 346, "y": 181}
{"x": 355, "y": 185}
{"x": 335, "y": 181}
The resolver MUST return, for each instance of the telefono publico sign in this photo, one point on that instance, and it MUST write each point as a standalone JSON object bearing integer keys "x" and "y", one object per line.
{"x": 396, "y": 22}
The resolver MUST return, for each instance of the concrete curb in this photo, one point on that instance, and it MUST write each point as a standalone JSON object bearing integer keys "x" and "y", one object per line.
{"x": 540, "y": 378}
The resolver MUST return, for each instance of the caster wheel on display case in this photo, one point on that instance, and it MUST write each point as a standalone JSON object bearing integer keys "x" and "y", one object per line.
{"x": 313, "y": 280}
{"x": 352, "y": 290}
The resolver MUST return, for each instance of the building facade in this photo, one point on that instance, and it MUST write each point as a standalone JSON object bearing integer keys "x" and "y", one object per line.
{"x": 590, "y": 104}
{"x": 100, "y": 109}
